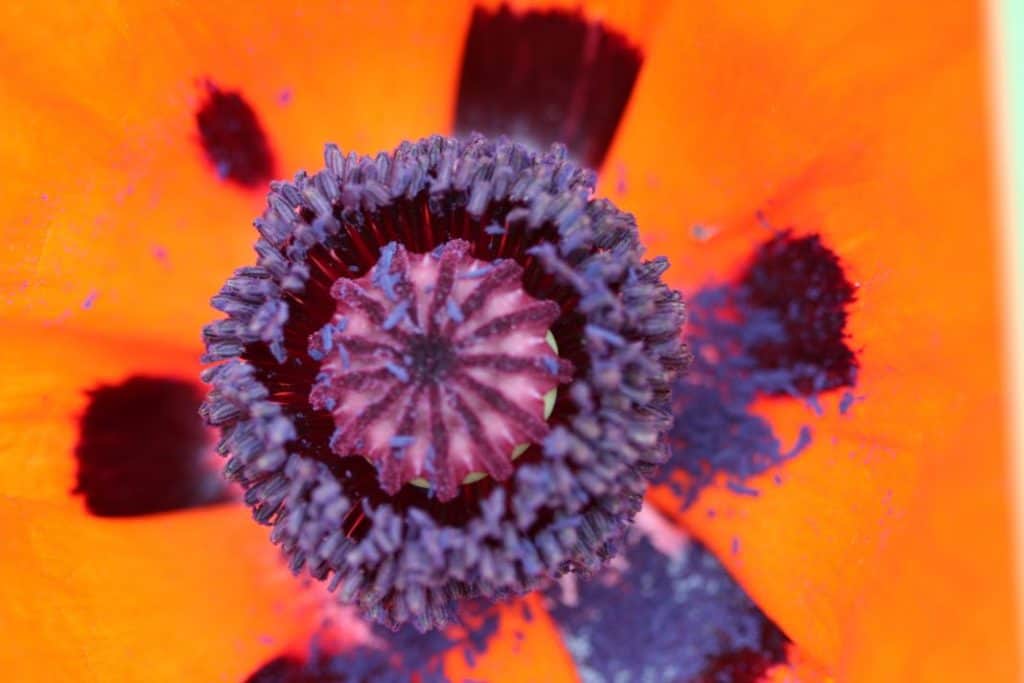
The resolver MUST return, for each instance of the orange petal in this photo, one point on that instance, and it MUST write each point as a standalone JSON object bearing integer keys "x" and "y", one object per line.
{"x": 191, "y": 596}
{"x": 865, "y": 122}
{"x": 108, "y": 194}
{"x": 526, "y": 647}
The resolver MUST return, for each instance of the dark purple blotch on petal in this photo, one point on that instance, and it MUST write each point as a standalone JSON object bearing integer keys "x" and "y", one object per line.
{"x": 143, "y": 449}
{"x": 542, "y": 76}
{"x": 663, "y": 618}
{"x": 779, "y": 330}
{"x": 801, "y": 282}
{"x": 233, "y": 138}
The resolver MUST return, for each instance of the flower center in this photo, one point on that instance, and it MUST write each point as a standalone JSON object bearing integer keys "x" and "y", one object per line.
{"x": 435, "y": 367}
{"x": 430, "y": 357}
{"x": 398, "y": 328}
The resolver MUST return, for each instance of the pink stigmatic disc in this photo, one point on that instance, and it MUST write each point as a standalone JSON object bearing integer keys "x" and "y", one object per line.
{"x": 435, "y": 366}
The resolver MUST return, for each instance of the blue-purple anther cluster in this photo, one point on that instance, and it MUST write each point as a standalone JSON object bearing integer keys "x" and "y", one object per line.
{"x": 405, "y": 555}
{"x": 678, "y": 617}
{"x": 779, "y": 330}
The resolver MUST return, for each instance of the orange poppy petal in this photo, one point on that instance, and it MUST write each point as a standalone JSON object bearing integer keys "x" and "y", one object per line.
{"x": 864, "y": 122}
{"x": 109, "y": 195}
{"x": 193, "y": 596}
{"x": 526, "y": 647}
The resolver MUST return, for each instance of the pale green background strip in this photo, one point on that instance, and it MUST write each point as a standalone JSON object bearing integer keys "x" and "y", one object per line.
{"x": 1013, "y": 75}
{"x": 1007, "y": 59}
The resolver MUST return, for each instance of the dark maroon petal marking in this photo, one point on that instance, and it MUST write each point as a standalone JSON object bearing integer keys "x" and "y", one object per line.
{"x": 386, "y": 266}
{"x": 543, "y": 76}
{"x": 233, "y": 138}
{"x": 143, "y": 449}
{"x": 802, "y": 282}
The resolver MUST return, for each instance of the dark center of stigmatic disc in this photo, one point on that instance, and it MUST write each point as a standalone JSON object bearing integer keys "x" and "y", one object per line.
{"x": 446, "y": 375}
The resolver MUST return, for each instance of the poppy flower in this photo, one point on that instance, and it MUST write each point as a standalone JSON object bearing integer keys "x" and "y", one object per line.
{"x": 819, "y": 179}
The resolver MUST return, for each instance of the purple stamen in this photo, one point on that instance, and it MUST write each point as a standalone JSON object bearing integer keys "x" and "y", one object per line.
{"x": 316, "y": 420}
